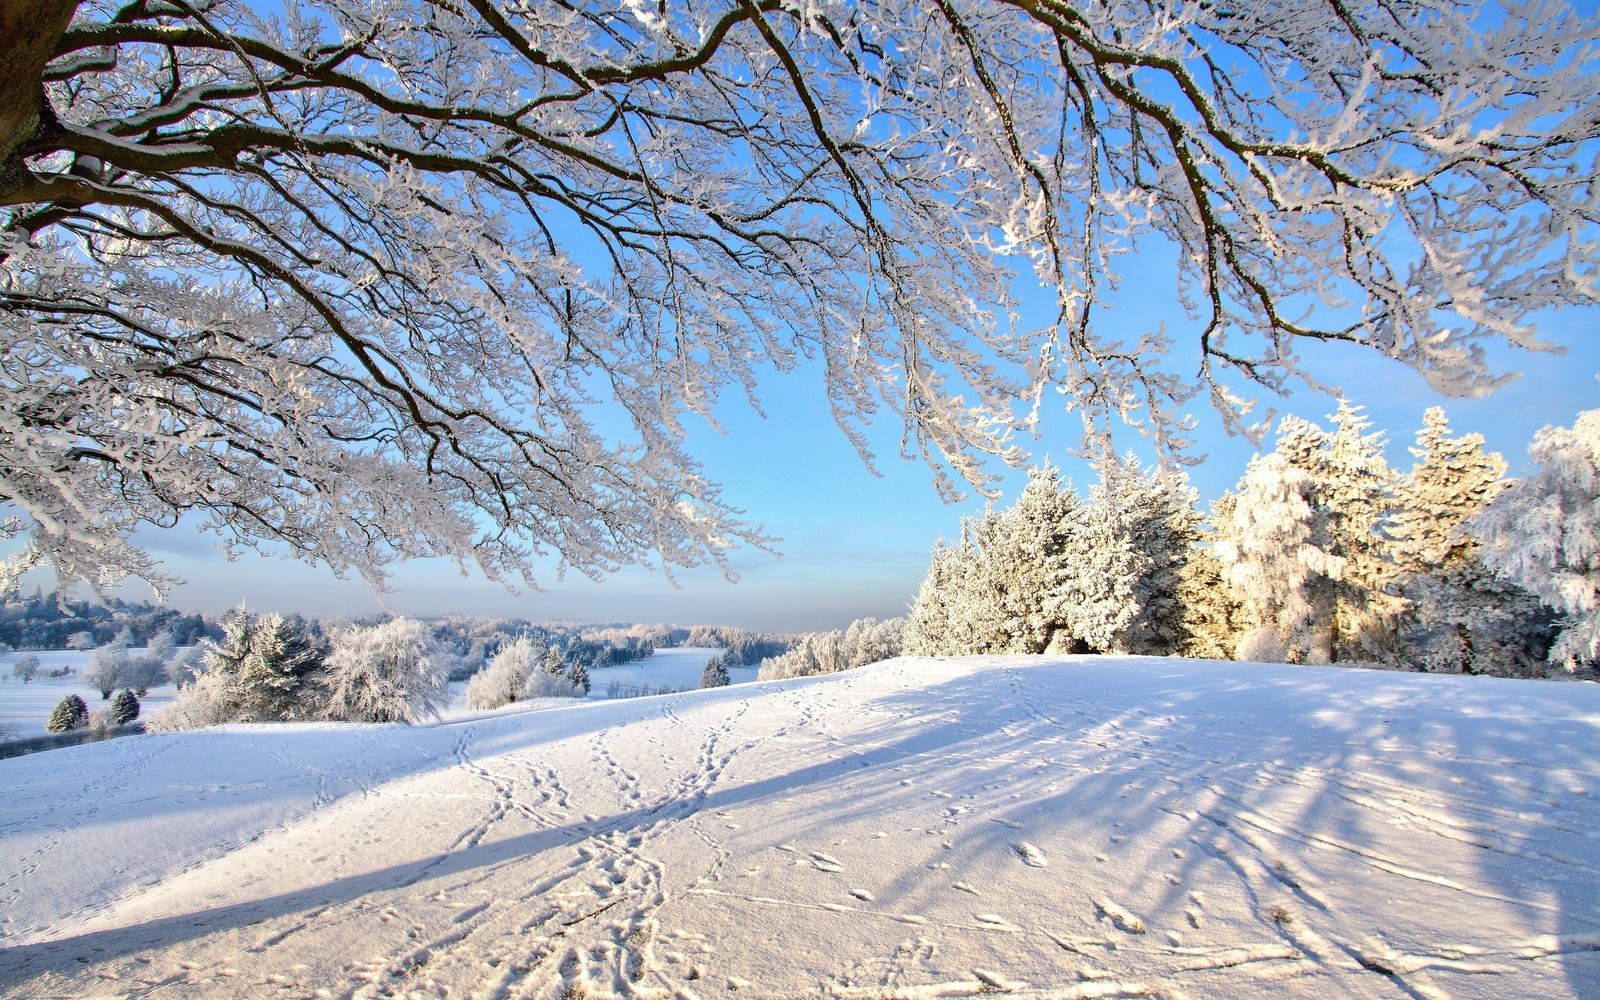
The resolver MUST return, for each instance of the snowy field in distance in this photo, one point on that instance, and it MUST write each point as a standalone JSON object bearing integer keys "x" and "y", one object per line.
{"x": 1043, "y": 827}
{"x": 25, "y": 708}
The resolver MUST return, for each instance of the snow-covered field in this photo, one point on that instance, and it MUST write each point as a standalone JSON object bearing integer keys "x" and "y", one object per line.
{"x": 24, "y": 708}
{"x": 1038, "y": 827}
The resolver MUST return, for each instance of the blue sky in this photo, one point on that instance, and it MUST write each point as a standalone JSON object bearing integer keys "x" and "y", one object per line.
{"x": 855, "y": 544}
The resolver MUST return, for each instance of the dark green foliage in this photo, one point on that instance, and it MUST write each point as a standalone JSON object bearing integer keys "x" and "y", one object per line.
{"x": 125, "y": 707}
{"x": 70, "y": 714}
{"x": 715, "y": 674}
{"x": 578, "y": 674}
{"x": 274, "y": 662}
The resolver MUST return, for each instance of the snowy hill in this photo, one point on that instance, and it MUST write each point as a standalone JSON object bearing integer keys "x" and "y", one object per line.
{"x": 1043, "y": 827}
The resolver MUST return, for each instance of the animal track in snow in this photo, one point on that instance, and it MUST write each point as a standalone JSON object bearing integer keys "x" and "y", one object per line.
{"x": 1030, "y": 855}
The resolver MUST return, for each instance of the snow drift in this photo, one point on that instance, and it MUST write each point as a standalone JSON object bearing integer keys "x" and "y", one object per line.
{"x": 1038, "y": 826}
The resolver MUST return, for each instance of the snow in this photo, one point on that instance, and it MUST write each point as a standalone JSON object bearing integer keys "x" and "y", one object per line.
{"x": 24, "y": 708}
{"x": 1045, "y": 827}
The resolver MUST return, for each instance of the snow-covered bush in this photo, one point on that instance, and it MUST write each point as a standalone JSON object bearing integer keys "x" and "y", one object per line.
{"x": 501, "y": 681}
{"x": 144, "y": 673}
{"x": 70, "y": 713}
{"x": 210, "y": 699}
{"x": 394, "y": 672}
{"x": 542, "y": 685}
{"x": 186, "y": 664}
{"x": 125, "y": 706}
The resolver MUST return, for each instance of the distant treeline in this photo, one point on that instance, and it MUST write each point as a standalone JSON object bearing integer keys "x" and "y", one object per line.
{"x": 42, "y": 621}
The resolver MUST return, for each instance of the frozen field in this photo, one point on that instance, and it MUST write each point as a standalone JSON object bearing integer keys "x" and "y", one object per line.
{"x": 1038, "y": 827}
{"x": 24, "y": 708}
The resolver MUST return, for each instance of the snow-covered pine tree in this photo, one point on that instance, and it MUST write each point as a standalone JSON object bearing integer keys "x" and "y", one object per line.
{"x": 1543, "y": 534}
{"x": 1035, "y": 552}
{"x": 385, "y": 673}
{"x": 1348, "y": 491}
{"x": 578, "y": 677}
{"x": 927, "y": 631}
{"x": 124, "y": 707}
{"x": 1122, "y": 591}
{"x": 995, "y": 590}
{"x": 714, "y": 674}
{"x": 281, "y": 676}
{"x": 553, "y": 663}
{"x": 70, "y": 713}
{"x": 1211, "y": 613}
{"x": 1271, "y": 558}
{"x": 1462, "y": 618}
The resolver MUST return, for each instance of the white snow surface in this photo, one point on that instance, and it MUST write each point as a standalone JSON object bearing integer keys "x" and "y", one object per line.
{"x": 1063, "y": 827}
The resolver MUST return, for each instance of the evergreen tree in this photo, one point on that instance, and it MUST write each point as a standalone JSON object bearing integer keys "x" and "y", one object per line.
{"x": 1210, "y": 613}
{"x": 1543, "y": 534}
{"x": 553, "y": 663}
{"x": 1121, "y": 591}
{"x": 70, "y": 713}
{"x": 125, "y": 707}
{"x": 578, "y": 677}
{"x": 1462, "y": 618}
{"x": 715, "y": 673}
{"x": 1347, "y": 489}
{"x": 1272, "y": 558}
{"x": 930, "y": 619}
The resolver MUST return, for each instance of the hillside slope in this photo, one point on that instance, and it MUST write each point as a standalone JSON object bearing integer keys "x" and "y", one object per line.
{"x": 1044, "y": 827}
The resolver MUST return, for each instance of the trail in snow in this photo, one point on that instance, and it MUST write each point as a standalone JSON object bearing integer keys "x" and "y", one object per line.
{"x": 1037, "y": 827}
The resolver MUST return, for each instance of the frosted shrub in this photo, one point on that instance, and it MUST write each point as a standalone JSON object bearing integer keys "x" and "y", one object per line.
{"x": 501, "y": 681}
{"x": 393, "y": 672}
{"x": 542, "y": 685}
{"x": 211, "y": 699}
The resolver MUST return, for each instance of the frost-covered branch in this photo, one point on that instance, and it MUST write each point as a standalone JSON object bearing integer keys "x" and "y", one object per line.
{"x": 390, "y": 278}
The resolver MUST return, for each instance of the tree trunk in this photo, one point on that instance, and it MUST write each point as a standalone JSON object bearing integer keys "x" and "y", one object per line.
{"x": 31, "y": 29}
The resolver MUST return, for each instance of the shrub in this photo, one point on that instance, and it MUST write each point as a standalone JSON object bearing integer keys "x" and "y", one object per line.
{"x": 71, "y": 713}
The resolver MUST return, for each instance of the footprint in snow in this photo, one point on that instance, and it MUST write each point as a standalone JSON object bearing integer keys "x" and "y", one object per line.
{"x": 826, "y": 863}
{"x": 1030, "y": 855}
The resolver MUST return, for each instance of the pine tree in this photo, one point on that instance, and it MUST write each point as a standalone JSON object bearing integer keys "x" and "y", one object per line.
{"x": 553, "y": 663}
{"x": 1543, "y": 534}
{"x": 1462, "y": 618}
{"x": 715, "y": 673}
{"x": 928, "y": 620}
{"x": 1121, "y": 593}
{"x": 125, "y": 707}
{"x": 69, "y": 714}
{"x": 578, "y": 677}
{"x": 1272, "y": 558}
{"x": 1348, "y": 483}
{"x": 1210, "y": 613}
